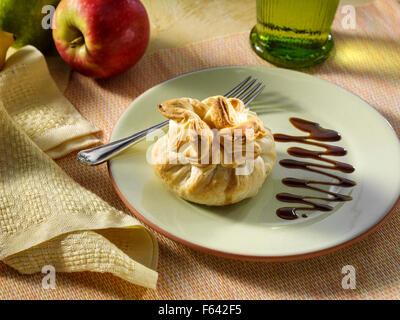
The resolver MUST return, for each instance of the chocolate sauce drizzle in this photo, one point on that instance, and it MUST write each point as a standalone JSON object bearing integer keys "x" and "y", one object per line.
{"x": 316, "y": 133}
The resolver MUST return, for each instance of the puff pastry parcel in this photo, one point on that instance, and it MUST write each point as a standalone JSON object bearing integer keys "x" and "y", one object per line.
{"x": 216, "y": 151}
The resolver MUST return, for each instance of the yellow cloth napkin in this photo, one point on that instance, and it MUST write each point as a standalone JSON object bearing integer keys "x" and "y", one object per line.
{"x": 32, "y": 98}
{"x": 46, "y": 218}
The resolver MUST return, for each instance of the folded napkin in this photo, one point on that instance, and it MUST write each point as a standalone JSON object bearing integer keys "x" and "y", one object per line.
{"x": 32, "y": 98}
{"x": 46, "y": 218}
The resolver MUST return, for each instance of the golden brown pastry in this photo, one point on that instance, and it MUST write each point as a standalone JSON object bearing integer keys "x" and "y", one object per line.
{"x": 216, "y": 151}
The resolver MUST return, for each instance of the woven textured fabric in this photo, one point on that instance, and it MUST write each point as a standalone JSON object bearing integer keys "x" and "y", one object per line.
{"x": 45, "y": 218}
{"x": 366, "y": 62}
{"x": 33, "y": 100}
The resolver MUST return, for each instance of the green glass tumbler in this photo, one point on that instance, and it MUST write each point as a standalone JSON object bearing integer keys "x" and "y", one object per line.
{"x": 294, "y": 33}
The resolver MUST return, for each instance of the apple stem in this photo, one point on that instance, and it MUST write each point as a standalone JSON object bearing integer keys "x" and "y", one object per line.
{"x": 76, "y": 42}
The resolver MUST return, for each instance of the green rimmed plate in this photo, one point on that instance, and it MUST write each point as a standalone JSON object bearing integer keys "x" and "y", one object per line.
{"x": 251, "y": 229}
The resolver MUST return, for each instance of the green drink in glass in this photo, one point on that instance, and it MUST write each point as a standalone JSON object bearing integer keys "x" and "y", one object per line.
{"x": 294, "y": 33}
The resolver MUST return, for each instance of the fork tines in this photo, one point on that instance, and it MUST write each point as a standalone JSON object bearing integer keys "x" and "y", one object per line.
{"x": 247, "y": 90}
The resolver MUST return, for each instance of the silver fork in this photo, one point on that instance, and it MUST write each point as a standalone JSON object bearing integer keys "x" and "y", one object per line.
{"x": 247, "y": 91}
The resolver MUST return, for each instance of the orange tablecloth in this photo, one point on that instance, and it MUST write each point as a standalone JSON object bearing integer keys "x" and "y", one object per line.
{"x": 366, "y": 61}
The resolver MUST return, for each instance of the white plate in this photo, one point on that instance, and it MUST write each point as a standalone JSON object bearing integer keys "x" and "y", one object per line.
{"x": 251, "y": 229}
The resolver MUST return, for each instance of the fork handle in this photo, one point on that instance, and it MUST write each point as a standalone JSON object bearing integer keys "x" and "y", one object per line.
{"x": 100, "y": 154}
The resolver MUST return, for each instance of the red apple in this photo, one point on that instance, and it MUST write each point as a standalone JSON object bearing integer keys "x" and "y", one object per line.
{"x": 101, "y": 38}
